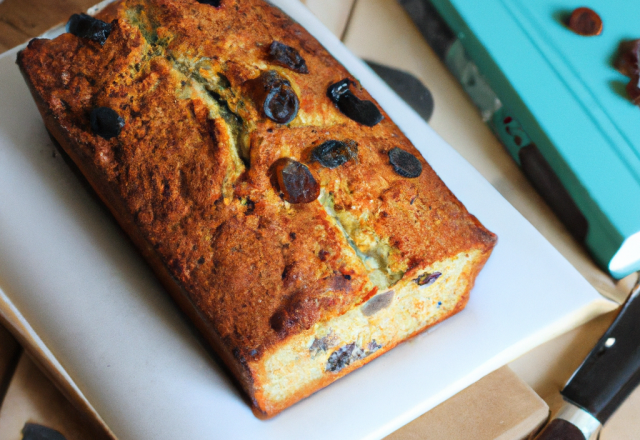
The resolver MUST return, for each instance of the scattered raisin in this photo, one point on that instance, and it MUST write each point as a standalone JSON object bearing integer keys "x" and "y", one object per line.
{"x": 85, "y": 26}
{"x": 633, "y": 89}
{"x": 404, "y": 163}
{"x": 105, "y": 122}
{"x": 362, "y": 111}
{"x": 627, "y": 60}
{"x": 274, "y": 94}
{"x": 332, "y": 154}
{"x": 288, "y": 57}
{"x": 295, "y": 181}
{"x": 585, "y": 21}
{"x": 427, "y": 279}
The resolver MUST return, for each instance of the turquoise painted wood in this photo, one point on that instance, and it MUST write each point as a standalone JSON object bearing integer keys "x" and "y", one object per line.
{"x": 570, "y": 101}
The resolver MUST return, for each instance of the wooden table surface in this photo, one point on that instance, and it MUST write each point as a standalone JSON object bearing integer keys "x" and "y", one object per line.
{"x": 21, "y": 20}
{"x": 377, "y": 29}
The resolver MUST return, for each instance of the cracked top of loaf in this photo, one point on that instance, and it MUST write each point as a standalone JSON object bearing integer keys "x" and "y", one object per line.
{"x": 193, "y": 165}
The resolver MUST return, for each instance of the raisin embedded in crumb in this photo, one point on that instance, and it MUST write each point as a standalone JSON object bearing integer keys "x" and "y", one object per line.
{"x": 277, "y": 98}
{"x": 105, "y": 122}
{"x": 340, "y": 358}
{"x": 585, "y": 21}
{"x": 323, "y": 344}
{"x": 377, "y": 303}
{"x": 85, "y": 26}
{"x": 201, "y": 260}
{"x": 215, "y": 3}
{"x": 362, "y": 111}
{"x": 287, "y": 56}
{"x": 295, "y": 181}
{"x": 358, "y": 354}
{"x": 427, "y": 279}
{"x": 292, "y": 235}
{"x": 322, "y": 255}
{"x": 373, "y": 346}
{"x": 404, "y": 163}
{"x": 332, "y": 154}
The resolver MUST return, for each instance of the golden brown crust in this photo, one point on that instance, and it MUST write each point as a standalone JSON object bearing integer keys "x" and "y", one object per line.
{"x": 189, "y": 177}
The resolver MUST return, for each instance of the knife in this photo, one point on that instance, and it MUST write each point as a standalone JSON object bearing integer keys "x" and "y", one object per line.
{"x": 604, "y": 380}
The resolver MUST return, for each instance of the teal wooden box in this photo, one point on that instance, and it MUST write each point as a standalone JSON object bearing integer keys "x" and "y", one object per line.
{"x": 542, "y": 87}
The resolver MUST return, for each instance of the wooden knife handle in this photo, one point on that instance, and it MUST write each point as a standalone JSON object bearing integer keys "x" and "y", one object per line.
{"x": 560, "y": 429}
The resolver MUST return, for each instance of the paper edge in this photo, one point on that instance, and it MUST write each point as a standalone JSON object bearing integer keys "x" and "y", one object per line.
{"x": 43, "y": 357}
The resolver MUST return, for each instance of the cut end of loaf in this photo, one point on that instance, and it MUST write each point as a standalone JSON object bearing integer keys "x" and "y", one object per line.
{"x": 311, "y": 360}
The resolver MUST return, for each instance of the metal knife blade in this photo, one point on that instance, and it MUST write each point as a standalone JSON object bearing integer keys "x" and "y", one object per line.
{"x": 604, "y": 380}
{"x": 408, "y": 87}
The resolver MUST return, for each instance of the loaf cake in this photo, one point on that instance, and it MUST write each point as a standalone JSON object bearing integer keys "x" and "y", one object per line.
{"x": 287, "y": 215}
